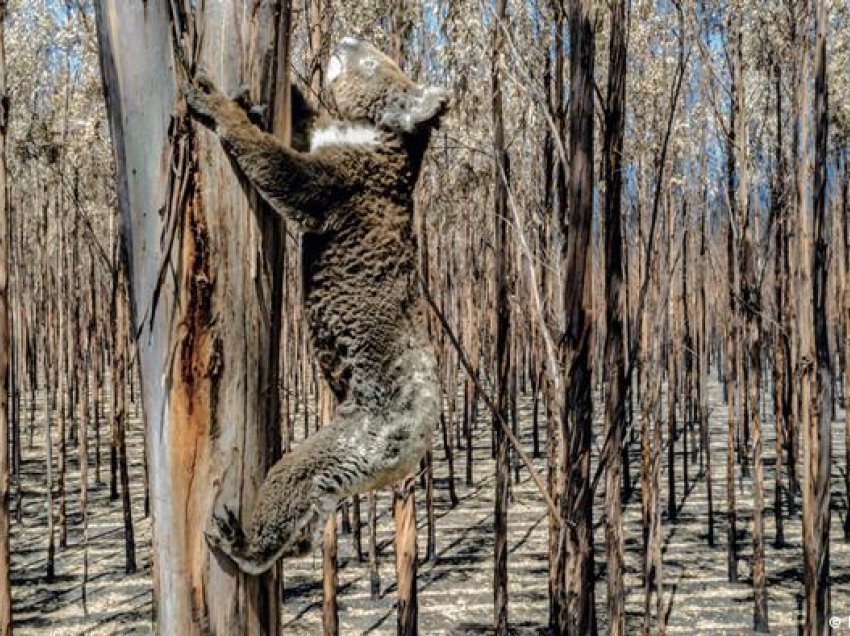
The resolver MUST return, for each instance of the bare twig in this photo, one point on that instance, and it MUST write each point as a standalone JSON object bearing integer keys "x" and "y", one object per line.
{"x": 541, "y": 487}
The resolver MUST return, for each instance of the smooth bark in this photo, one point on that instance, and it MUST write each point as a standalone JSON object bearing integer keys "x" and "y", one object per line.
{"x": 202, "y": 257}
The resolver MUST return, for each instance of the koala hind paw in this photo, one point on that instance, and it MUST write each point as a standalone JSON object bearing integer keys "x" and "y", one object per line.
{"x": 227, "y": 533}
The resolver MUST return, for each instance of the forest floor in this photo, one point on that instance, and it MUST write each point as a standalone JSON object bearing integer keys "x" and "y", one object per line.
{"x": 455, "y": 589}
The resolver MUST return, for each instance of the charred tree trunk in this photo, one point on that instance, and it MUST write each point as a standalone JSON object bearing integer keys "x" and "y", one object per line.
{"x": 83, "y": 365}
{"x": 615, "y": 359}
{"x": 577, "y": 616}
{"x": 704, "y": 369}
{"x": 330, "y": 578}
{"x": 47, "y": 310}
{"x": 845, "y": 226}
{"x": 357, "y": 527}
{"x": 374, "y": 572}
{"x": 430, "y": 513}
{"x": 5, "y": 235}
{"x": 781, "y": 352}
{"x": 555, "y": 441}
{"x": 119, "y": 400}
{"x": 671, "y": 415}
{"x": 730, "y": 377}
{"x": 750, "y": 308}
{"x": 816, "y": 420}
{"x": 62, "y": 386}
{"x": 502, "y": 352}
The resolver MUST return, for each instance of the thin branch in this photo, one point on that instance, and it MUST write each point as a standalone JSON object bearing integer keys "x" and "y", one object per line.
{"x": 464, "y": 360}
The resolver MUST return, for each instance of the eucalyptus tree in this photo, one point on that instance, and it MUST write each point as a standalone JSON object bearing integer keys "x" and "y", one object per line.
{"x": 203, "y": 266}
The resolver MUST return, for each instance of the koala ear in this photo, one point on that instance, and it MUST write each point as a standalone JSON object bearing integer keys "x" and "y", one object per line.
{"x": 424, "y": 105}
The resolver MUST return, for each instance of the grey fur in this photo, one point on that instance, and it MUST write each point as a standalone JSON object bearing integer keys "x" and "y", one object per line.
{"x": 354, "y": 203}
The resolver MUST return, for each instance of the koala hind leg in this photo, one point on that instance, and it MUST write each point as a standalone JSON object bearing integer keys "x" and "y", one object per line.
{"x": 288, "y": 512}
{"x": 356, "y": 453}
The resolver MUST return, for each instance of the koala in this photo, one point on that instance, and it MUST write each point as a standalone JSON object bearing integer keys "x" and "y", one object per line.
{"x": 348, "y": 186}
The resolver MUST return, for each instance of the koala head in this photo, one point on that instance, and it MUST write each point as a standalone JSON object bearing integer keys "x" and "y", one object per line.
{"x": 364, "y": 85}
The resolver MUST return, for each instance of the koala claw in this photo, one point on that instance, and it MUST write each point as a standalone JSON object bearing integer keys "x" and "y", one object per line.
{"x": 205, "y": 83}
{"x": 197, "y": 101}
{"x": 234, "y": 523}
{"x": 256, "y": 112}
{"x": 242, "y": 96}
{"x": 227, "y": 533}
{"x": 203, "y": 98}
{"x": 213, "y": 539}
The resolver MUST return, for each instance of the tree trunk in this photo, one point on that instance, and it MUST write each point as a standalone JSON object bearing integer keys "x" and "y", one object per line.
{"x": 501, "y": 323}
{"x": 670, "y": 354}
{"x": 206, "y": 334}
{"x": 430, "y": 513}
{"x": 406, "y": 555}
{"x": 357, "y": 527}
{"x": 119, "y": 399}
{"x": 845, "y": 227}
{"x": 816, "y": 420}
{"x": 5, "y": 585}
{"x": 330, "y": 538}
{"x": 615, "y": 358}
{"x": 330, "y": 578}
{"x": 730, "y": 377}
{"x": 62, "y": 385}
{"x": 577, "y": 616}
{"x": 704, "y": 370}
{"x": 83, "y": 366}
{"x": 555, "y": 441}
{"x": 750, "y": 299}
{"x": 374, "y": 572}
{"x": 780, "y": 354}
{"x": 47, "y": 309}
{"x": 320, "y": 20}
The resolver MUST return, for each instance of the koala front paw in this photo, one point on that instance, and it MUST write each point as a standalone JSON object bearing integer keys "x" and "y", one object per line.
{"x": 204, "y": 100}
{"x": 256, "y": 112}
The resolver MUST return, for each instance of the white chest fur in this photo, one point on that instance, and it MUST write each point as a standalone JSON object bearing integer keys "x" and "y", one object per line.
{"x": 343, "y": 135}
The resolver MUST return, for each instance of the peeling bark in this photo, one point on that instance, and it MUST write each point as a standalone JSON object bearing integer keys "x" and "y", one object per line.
{"x": 203, "y": 260}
